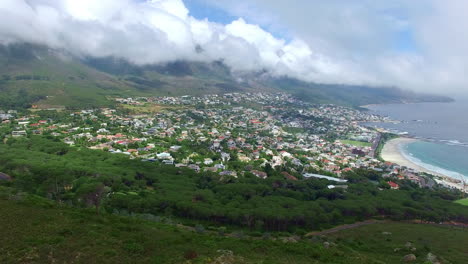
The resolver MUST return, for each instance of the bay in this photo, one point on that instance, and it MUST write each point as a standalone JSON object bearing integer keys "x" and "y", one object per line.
{"x": 443, "y": 127}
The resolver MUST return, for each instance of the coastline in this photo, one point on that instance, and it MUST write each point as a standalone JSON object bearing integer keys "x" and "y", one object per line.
{"x": 392, "y": 152}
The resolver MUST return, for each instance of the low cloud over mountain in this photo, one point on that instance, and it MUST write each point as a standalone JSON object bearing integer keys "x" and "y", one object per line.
{"x": 336, "y": 43}
{"x": 155, "y": 31}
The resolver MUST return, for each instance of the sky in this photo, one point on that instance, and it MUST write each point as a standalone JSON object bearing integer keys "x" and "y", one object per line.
{"x": 413, "y": 44}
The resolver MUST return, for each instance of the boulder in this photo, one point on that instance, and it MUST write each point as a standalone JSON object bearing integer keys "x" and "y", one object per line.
{"x": 227, "y": 257}
{"x": 409, "y": 258}
{"x": 289, "y": 239}
{"x": 5, "y": 177}
{"x": 431, "y": 258}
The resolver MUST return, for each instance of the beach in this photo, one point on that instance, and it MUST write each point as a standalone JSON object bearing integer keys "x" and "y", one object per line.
{"x": 392, "y": 152}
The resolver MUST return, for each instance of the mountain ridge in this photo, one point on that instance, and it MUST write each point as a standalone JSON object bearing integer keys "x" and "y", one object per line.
{"x": 31, "y": 74}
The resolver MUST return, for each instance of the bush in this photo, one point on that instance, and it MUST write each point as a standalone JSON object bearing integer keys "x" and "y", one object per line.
{"x": 191, "y": 254}
{"x": 134, "y": 248}
{"x": 222, "y": 231}
{"x": 200, "y": 229}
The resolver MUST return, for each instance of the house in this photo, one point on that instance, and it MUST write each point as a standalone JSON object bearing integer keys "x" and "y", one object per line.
{"x": 103, "y": 131}
{"x": 225, "y": 156}
{"x": 296, "y": 162}
{"x": 194, "y": 167}
{"x": 212, "y": 169}
{"x": 337, "y": 186}
{"x": 393, "y": 185}
{"x": 260, "y": 174}
{"x": 220, "y": 166}
{"x": 5, "y": 116}
{"x": 228, "y": 173}
{"x": 289, "y": 176}
{"x": 175, "y": 148}
{"x": 168, "y": 162}
{"x": 208, "y": 161}
{"x": 19, "y": 133}
{"x": 164, "y": 156}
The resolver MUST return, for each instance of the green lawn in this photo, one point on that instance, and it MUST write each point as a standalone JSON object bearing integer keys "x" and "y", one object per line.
{"x": 356, "y": 143}
{"x": 39, "y": 232}
{"x": 463, "y": 201}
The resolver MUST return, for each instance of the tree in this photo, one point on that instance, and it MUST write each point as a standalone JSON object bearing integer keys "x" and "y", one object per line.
{"x": 92, "y": 194}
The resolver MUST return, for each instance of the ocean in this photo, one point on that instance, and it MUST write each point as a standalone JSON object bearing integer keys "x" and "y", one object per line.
{"x": 443, "y": 127}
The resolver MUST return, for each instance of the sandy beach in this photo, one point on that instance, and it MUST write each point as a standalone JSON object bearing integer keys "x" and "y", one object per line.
{"x": 392, "y": 153}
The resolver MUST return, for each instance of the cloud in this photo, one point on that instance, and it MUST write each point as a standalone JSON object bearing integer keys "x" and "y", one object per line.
{"x": 143, "y": 32}
{"x": 333, "y": 41}
{"x": 417, "y": 44}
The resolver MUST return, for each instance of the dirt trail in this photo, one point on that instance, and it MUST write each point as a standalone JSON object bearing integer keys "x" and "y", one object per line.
{"x": 343, "y": 227}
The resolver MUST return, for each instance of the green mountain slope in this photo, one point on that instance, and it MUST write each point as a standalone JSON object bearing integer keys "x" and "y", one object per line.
{"x": 31, "y": 74}
{"x": 351, "y": 95}
{"x": 36, "y": 75}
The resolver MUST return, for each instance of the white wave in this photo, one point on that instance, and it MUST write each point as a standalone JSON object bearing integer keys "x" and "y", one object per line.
{"x": 454, "y": 142}
{"x": 433, "y": 168}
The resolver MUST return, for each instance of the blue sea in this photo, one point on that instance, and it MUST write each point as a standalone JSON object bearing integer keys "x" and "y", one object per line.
{"x": 443, "y": 127}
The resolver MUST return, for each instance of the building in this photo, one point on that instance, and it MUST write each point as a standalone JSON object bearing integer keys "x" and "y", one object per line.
{"x": 393, "y": 185}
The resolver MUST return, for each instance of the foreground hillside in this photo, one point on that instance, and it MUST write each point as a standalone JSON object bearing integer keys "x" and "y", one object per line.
{"x": 37, "y": 231}
{"x": 48, "y": 78}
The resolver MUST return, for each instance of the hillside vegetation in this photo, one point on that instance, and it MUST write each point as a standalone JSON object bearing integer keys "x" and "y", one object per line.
{"x": 37, "y": 231}
{"x": 114, "y": 183}
{"x": 32, "y": 75}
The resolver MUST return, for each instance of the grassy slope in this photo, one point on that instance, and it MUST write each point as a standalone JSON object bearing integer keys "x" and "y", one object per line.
{"x": 81, "y": 83}
{"x": 448, "y": 243}
{"x": 350, "y": 95}
{"x": 69, "y": 83}
{"x": 45, "y": 234}
{"x": 356, "y": 143}
{"x": 463, "y": 202}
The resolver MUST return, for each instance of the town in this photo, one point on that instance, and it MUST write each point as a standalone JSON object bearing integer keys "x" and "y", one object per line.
{"x": 230, "y": 134}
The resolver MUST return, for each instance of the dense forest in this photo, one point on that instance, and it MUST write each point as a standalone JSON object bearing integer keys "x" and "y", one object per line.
{"x": 113, "y": 183}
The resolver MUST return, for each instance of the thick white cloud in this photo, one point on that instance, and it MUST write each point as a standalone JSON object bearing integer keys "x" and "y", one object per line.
{"x": 333, "y": 41}
{"x": 359, "y": 37}
{"x": 158, "y": 31}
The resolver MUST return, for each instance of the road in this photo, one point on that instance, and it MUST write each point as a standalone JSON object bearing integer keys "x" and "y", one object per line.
{"x": 373, "y": 152}
{"x": 343, "y": 227}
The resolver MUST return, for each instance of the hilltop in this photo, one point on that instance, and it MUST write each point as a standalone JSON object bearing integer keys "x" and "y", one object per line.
{"x": 46, "y": 77}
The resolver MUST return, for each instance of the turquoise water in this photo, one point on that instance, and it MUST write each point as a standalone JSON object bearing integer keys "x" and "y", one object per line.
{"x": 442, "y": 158}
{"x": 442, "y": 126}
